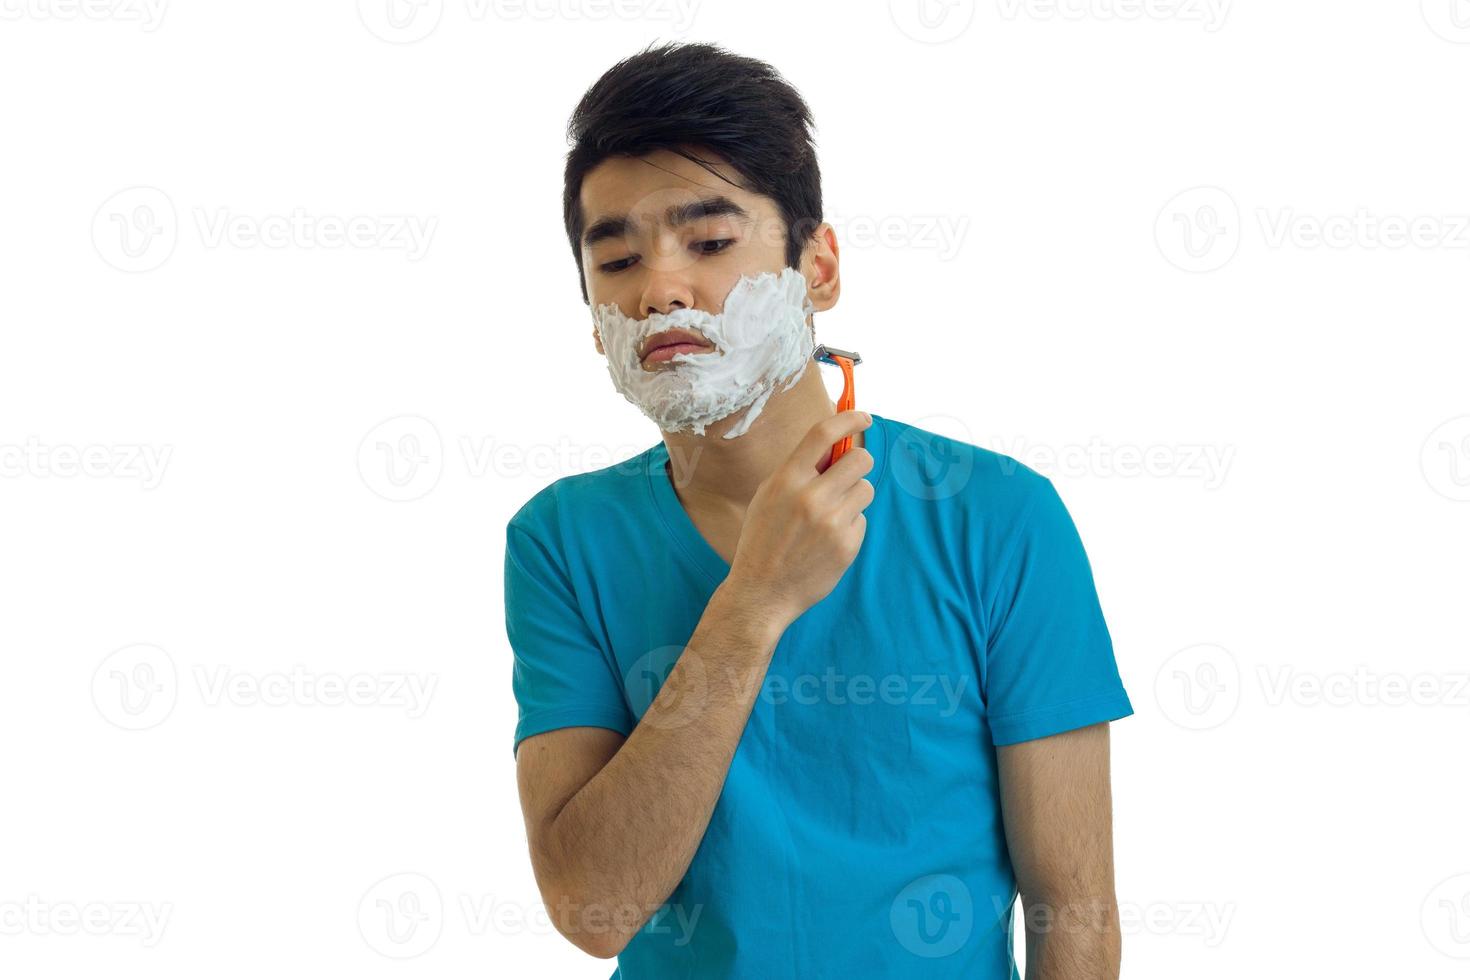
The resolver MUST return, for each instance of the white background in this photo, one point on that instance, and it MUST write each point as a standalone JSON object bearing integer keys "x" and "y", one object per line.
{"x": 1082, "y": 235}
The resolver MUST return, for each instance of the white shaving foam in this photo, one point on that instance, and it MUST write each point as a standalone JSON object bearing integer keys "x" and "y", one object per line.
{"x": 761, "y": 340}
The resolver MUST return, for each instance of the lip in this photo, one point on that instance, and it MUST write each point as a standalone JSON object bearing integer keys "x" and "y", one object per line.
{"x": 663, "y": 345}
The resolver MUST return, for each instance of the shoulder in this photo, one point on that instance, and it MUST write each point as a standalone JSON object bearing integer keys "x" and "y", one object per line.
{"x": 583, "y": 497}
{"x": 933, "y": 466}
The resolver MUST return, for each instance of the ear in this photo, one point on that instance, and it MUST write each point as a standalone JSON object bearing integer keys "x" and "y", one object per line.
{"x": 819, "y": 265}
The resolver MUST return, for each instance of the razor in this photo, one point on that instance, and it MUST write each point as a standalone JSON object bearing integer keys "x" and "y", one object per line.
{"x": 844, "y": 359}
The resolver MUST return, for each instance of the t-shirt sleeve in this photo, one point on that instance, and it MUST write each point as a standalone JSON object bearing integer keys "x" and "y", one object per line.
{"x": 1049, "y": 658}
{"x": 562, "y": 676}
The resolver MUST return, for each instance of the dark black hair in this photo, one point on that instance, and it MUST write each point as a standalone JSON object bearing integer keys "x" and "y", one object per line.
{"x": 682, "y": 95}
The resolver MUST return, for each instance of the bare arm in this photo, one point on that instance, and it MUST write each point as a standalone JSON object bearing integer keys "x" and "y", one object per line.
{"x": 609, "y": 853}
{"x": 1057, "y": 804}
{"x": 613, "y": 824}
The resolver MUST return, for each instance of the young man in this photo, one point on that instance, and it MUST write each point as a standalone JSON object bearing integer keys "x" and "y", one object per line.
{"x": 779, "y": 716}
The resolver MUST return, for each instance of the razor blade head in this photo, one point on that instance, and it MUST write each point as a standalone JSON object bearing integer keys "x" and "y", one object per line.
{"x": 825, "y": 353}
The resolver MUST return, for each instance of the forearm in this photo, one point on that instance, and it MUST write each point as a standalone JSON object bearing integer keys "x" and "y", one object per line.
{"x": 1073, "y": 939}
{"x": 621, "y": 845}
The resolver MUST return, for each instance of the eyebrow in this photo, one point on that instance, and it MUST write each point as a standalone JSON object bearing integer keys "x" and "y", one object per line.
{"x": 617, "y": 226}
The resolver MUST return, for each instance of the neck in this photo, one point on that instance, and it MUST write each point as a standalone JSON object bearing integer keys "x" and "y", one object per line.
{"x": 721, "y": 472}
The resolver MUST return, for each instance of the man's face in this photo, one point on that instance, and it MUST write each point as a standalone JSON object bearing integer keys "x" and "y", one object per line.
{"x": 663, "y": 233}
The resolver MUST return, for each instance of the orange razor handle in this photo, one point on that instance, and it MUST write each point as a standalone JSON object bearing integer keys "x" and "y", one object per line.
{"x": 845, "y": 360}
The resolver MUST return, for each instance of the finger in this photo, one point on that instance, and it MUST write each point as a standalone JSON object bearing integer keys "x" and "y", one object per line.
{"x": 856, "y": 498}
{"x": 853, "y": 466}
{"x": 818, "y": 441}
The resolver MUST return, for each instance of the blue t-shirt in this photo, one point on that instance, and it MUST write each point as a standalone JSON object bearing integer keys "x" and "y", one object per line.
{"x": 858, "y": 833}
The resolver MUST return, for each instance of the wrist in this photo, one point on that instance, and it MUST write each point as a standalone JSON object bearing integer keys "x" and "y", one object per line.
{"x": 753, "y": 608}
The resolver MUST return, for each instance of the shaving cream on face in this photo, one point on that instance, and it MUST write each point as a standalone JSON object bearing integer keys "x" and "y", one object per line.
{"x": 761, "y": 340}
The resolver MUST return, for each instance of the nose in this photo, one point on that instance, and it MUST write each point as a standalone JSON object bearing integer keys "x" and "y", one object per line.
{"x": 665, "y": 309}
{"x": 665, "y": 290}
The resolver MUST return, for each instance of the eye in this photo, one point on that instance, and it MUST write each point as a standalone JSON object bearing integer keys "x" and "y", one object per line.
{"x": 713, "y": 246}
